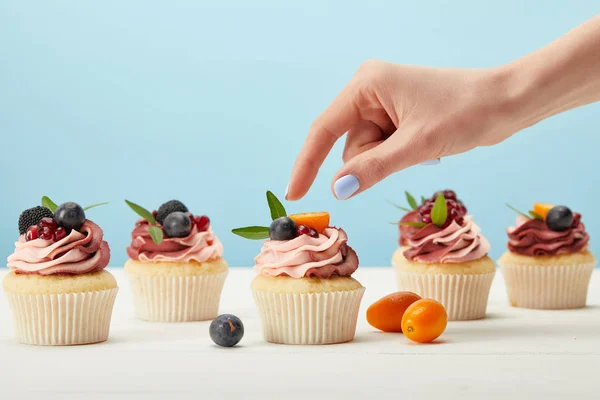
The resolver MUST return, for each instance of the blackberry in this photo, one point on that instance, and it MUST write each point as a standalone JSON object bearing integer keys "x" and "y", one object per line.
{"x": 168, "y": 208}
{"x": 33, "y": 216}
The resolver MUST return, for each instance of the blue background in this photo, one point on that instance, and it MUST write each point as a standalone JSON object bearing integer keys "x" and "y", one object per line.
{"x": 209, "y": 103}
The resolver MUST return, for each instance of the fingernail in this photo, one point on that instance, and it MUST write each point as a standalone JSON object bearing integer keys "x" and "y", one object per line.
{"x": 345, "y": 187}
{"x": 435, "y": 161}
{"x": 286, "y": 190}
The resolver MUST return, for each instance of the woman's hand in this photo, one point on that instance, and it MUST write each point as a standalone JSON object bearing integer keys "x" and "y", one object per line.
{"x": 397, "y": 116}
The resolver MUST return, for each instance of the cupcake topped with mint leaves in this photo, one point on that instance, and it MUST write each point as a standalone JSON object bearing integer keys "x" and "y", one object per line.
{"x": 58, "y": 289}
{"x": 304, "y": 266}
{"x": 548, "y": 264}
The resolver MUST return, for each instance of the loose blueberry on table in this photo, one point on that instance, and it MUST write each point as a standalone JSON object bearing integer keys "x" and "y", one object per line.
{"x": 226, "y": 330}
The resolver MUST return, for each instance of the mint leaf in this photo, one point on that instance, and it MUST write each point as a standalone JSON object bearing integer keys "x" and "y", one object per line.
{"x": 517, "y": 211}
{"x": 156, "y": 234}
{"x": 49, "y": 204}
{"x": 277, "y": 209}
{"x": 95, "y": 205}
{"x": 252, "y": 232}
{"x": 416, "y": 224}
{"x": 439, "y": 213}
{"x": 423, "y": 199}
{"x": 536, "y": 215}
{"x": 400, "y": 207}
{"x": 142, "y": 212}
{"x": 411, "y": 201}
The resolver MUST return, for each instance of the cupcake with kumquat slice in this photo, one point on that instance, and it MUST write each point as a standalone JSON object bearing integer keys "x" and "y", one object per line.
{"x": 548, "y": 264}
{"x": 443, "y": 256}
{"x": 58, "y": 289}
{"x": 304, "y": 291}
{"x": 176, "y": 266}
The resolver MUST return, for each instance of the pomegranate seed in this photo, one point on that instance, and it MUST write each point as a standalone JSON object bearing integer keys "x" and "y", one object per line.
{"x": 32, "y": 233}
{"x": 48, "y": 223}
{"x": 426, "y": 218}
{"x": 576, "y": 220}
{"x": 154, "y": 213}
{"x": 46, "y": 234}
{"x": 60, "y": 233}
{"x": 305, "y": 230}
{"x": 449, "y": 194}
{"x": 202, "y": 222}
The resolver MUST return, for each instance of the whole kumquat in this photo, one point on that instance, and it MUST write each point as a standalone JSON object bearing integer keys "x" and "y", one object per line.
{"x": 424, "y": 321}
{"x": 386, "y": 313}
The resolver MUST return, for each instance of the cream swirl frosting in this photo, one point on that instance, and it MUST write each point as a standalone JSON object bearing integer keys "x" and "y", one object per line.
{"x": 81, "y": 251}
{"x": 306, "y": 256}
{"x": 453, "y": 244}
{"x": 197, "y": 246}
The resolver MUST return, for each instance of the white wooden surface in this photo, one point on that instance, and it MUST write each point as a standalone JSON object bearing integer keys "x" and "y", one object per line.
{"x": 516, "y": 353}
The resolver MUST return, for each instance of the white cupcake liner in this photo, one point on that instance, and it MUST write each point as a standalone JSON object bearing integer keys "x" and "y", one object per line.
{"x": 62, "y": 319}
{"x": 465, "y": 297}
{"x": 308, "y": 318}
{"x": 177, "y": 298}
{"x": 547, "y": 286}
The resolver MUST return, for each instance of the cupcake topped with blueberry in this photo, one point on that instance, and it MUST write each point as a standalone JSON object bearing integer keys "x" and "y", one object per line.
{"x": 548, "y": 263}
{"x": 442, "y": 245}
{"x": 57, "y": 287}
{"x": 175, "y": 265}
{"x": 304, "y": 257}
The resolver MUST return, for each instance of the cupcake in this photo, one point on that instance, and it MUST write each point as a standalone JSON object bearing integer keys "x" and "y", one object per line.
{"x": 176, "y": 266}
{"x": 548, "y": 264}
{"x": 58, "y": 289}
{"x": 443, "y": 256}
{"x": 304, "y": 291}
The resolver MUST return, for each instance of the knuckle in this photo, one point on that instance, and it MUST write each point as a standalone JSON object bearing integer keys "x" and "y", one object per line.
{"x": 374, "y": 168}
{"x": 371, "y": 69}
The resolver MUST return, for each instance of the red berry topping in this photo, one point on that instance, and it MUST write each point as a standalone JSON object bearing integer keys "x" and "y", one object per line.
{"x": 60, "y": 233}
{"x": 48, "y": 223}
{"x": 32, "y": 233}
{"x": 576, "y": 220}
{"x": 46, "y": 233}
{"x": 202, "y": 222}
{"x": 456, "y": 209}
{"x": 305, "y": 230}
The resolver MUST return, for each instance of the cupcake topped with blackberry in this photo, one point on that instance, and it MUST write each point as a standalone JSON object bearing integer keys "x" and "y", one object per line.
{"x": 441, "y": 245}
{"x": 304, "y": 265}
{"x": 57, "y": 277}
{"x": 175, "y": 265}
{"x": 548, "y": 264}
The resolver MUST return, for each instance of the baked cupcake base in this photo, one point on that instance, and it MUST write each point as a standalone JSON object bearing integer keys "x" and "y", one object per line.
{"x": 307, "y": 311}
{"x": 177, "y": 292}
{"x": 61, "y": 310}
{"x": 547, "y": 282}
{"x": 462, "y": 288}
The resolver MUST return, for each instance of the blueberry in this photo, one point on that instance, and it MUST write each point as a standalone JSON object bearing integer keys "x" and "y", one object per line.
{"x": 283, "y": 228}
{"x": 177, "y": 224}
{"x": 226, "y": 330}
{"x": 70, "y": 216}
{"x": 559, "y": 218}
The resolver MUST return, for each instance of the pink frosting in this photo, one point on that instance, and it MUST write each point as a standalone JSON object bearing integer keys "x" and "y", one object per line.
{"x": 305, "y": 256}
{"x": 453, "y": 244}
{"x": 80, "y": 252}
{"x": 197, "y": 246}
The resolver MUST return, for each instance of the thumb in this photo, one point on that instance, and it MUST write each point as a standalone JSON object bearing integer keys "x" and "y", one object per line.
{"x": 370, "y": 167}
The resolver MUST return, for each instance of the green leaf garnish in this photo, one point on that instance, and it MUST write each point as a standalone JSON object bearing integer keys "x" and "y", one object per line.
{"x": 253, "y": 232}
{"x": 142, "y": 212}
{"x": 416, "y": 224}
{"x": 517, "y": 211}
{"x": 536, "y": 215}
{"x": 156, "y": 234}
{"x": 439, "y": 213}
{"x": 423, "y": 199}
{"x": 411, "y": 201}
{"x": 400, "y": 207}
{"x": 277, "y": 209}
{"x": 49, "y": 204}
{"x": 95, "y": 205}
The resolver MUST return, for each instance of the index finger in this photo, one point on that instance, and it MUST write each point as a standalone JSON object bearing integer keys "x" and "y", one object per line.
{"x": 341, "y": 115}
